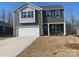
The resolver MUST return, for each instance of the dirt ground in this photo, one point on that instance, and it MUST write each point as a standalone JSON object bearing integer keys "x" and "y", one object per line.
{"x": 52, "y": 46}
{"x": 3, "y": 38}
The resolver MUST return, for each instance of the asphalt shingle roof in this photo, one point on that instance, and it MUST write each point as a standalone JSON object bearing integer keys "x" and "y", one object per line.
{"x": 52, "y": 7}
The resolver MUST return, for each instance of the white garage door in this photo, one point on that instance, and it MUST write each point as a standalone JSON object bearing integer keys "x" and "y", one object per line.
{"x": 28, "y": 31}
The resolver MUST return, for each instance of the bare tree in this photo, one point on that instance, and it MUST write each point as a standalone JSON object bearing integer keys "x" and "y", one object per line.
{"x": 68, "y": 28}
{"x": 9, "y": 17}
{"x": 6, "y": 16}
{"x": 3, "y": 15}
{"x": 72, "y": 21}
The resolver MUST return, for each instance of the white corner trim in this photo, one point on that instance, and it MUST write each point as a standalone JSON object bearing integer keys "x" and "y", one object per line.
{"x": 41, "y": 22}
{"x": 48, "y": 30}
{"x": 13, "y": 25}
{"x": 64, "y": 28}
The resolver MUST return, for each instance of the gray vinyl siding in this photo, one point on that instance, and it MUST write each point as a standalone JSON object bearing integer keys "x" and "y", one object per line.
{"x": 52, "y": 20}
{"x": 39, "y": 21}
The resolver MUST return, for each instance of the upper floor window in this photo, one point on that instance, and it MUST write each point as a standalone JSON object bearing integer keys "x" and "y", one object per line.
{"x": 52, "y": 13}
{"x": 30, "y": 14}
{"x": 23, "y": 15}
{"x": 57, "y": 13}
{"x": 27, "y": 14}
{"x": 62, "y": 13}
{"x": 48, "y": 14}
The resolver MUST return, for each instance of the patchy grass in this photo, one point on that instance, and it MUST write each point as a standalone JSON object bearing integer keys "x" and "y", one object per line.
{"x": 52, "y": 46}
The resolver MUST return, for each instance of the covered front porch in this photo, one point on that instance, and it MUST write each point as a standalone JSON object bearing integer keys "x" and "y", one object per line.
{"x": 54, "y": 29}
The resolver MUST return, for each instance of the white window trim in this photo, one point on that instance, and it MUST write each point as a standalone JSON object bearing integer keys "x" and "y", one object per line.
{"x": 26, "y": 14}
{"x": 24, "y": 20}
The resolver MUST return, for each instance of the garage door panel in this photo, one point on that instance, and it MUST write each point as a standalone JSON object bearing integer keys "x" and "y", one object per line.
{"x": 34, "y": 31}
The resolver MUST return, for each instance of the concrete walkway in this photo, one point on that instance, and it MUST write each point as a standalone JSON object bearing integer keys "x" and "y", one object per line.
{"x": 13, "y": 46}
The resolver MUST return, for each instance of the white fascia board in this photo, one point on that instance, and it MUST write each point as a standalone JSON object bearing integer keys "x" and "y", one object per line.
{"x": 36, "y": 7}
{"x": 57, "y": 23}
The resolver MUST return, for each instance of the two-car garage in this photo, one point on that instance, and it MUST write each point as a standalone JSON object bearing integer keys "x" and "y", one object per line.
{"x": 27, "y": 31}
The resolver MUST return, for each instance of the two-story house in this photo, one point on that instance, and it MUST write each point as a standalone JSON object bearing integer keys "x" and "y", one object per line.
{"x": 32, "y": 20}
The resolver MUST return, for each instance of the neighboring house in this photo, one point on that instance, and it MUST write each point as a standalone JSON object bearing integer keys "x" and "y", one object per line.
{"x": 32, "y": 20}
{"x": 5, "y": 29}
{"x": 77, "y": 29}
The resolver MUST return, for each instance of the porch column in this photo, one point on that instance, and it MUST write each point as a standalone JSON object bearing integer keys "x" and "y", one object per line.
{"x": 48, "y": 30}
{"x": 64, "y": 28}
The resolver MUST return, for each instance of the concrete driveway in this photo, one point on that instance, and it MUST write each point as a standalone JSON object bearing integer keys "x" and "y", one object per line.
{"x": 13, "y": 46}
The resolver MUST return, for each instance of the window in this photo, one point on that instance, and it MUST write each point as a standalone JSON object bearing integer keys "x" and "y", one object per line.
{"x": 62, "y": 13}
{"x": 48, "y": 14}
{"x": 57, "y": 13}
{"x": 30, "y": 14}
{"x": 27, "y": 14}
{"x": 53, "y": 27}
{"x": 52, "y": 14}
{"x": 57, "y": 27}
{"x": 23, "y": 15}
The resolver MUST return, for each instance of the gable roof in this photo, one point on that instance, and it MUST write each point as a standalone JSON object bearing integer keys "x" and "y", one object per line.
{"x": 50, "y": 7}
{"x": 25, "y": 5}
